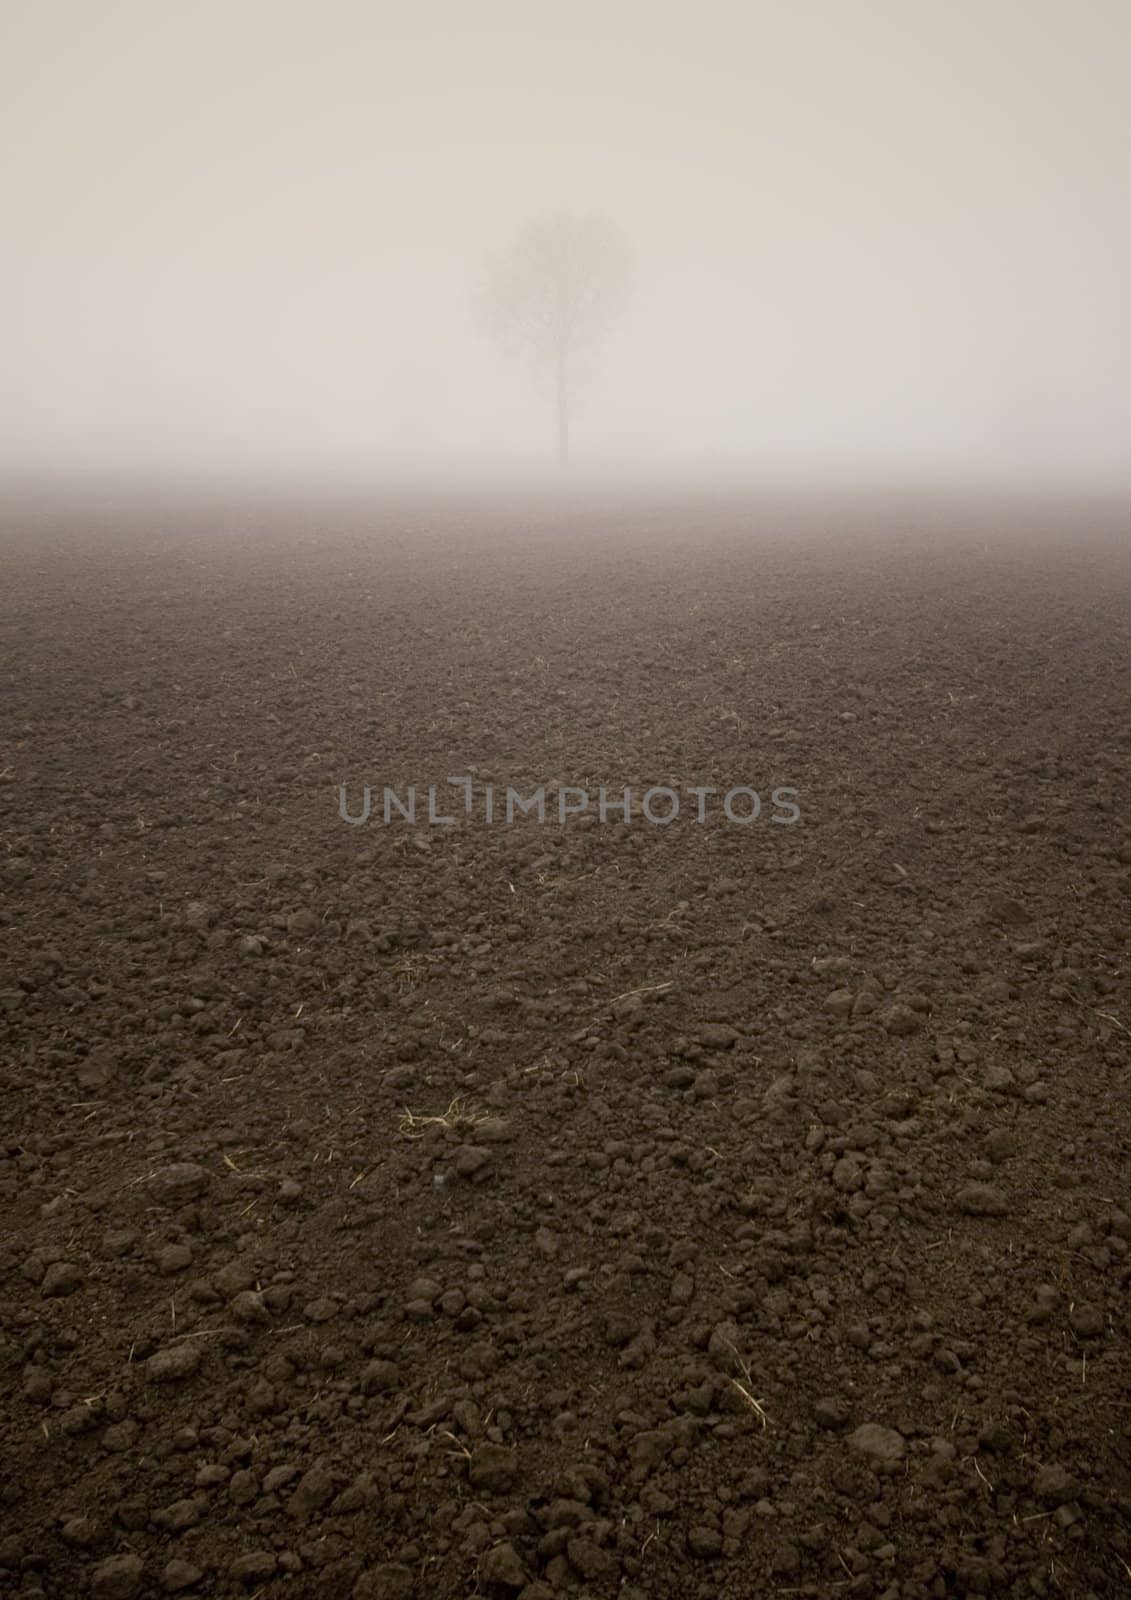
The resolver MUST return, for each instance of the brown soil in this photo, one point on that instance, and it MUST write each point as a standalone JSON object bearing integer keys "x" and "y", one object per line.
{"x": 700, "y": 1210}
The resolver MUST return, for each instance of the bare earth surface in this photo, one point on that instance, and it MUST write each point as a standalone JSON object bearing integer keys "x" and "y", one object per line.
{"x": 704, "y": 1210}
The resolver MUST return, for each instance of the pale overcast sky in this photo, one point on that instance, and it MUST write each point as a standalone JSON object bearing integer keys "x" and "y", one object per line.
{"x": 885, "y": 232}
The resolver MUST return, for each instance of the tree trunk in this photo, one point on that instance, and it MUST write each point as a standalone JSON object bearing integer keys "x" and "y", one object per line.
{"x": 563, "y": 413}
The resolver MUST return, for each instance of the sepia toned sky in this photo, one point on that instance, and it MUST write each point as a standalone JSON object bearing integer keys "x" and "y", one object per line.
{"x": 887, "y": 235}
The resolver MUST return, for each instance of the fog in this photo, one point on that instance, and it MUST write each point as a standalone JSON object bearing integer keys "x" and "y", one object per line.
{"x": 879, "y": 238}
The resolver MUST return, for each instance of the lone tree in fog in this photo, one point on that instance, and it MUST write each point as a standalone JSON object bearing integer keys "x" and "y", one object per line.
{"x": 553, "y": 296}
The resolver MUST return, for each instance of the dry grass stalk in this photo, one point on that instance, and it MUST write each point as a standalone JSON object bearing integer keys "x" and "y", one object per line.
{"x": 414, "y": 1126}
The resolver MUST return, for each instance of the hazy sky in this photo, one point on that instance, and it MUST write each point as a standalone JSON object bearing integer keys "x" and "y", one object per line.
{"x": 881, "y": 231}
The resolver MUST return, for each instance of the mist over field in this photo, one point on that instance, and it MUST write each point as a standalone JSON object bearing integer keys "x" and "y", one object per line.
{"x": 878, "y": 240}
{"x": 565, "y": 799}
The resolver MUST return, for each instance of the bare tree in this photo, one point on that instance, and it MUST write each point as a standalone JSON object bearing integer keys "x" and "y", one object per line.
{"x": 552, "y": 297}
